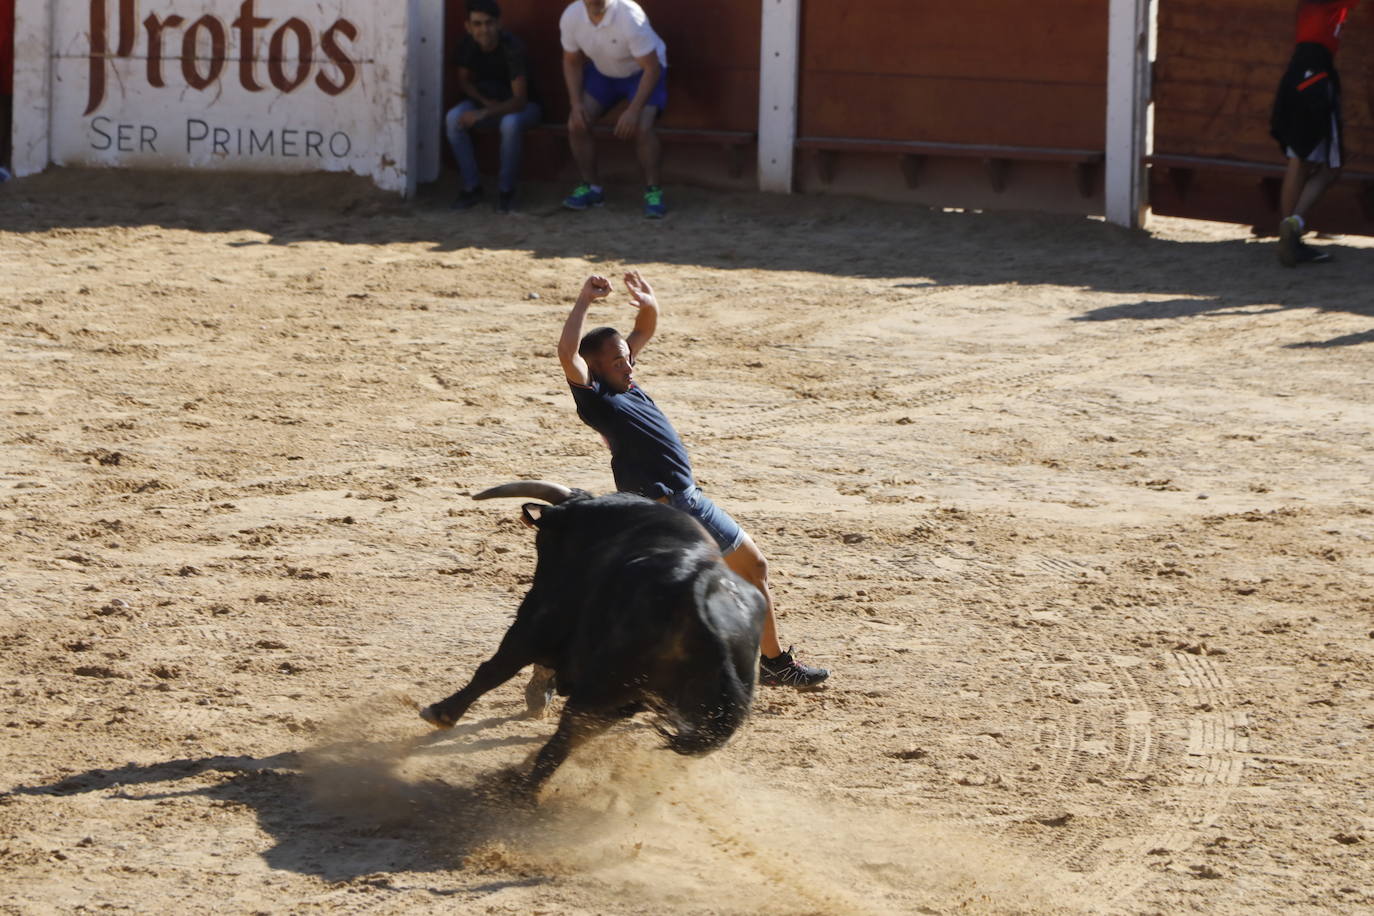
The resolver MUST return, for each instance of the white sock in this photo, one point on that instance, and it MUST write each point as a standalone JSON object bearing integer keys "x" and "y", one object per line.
{"x": 1302, "y": 224}
{"x": 596, "y": 188}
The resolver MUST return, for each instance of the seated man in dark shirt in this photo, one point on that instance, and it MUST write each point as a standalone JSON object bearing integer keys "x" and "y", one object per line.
{"x": 648, "y": 458}
{"x": 494, "y": 75}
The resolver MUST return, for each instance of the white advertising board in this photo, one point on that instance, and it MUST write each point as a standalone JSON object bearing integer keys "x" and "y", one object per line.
{"x": 238, "y": 85}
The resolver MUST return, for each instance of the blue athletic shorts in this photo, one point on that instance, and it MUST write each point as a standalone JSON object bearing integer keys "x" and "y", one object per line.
{"x": 609, "y": 90}
{"x": 726, "y": 531}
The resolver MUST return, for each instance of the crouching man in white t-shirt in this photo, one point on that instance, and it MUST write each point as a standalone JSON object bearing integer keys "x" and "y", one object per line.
{"x": 610, "y": 53}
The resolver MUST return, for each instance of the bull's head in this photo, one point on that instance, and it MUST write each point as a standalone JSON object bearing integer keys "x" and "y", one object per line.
{"x": 554, "y": 493}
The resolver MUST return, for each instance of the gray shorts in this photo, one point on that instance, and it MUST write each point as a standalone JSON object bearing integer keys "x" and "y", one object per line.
{"x": 724, "y": 529}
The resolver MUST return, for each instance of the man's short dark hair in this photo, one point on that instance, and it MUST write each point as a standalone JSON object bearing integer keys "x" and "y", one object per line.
{"x": 490, "y": 7}
{"x": 594, "y": 340}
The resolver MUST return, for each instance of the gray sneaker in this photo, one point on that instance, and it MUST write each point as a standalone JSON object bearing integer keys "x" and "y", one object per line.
{"x": 786, "y": 671}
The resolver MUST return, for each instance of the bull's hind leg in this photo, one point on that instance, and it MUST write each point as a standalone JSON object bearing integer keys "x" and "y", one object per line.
{"x": 539, "y": 692}
{"x": 575, "y": 728}
{"x": 512, "y": 655}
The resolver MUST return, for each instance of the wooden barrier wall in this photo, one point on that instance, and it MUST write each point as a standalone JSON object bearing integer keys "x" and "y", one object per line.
{"x": 1217, "y": 66}
{"x": 958, "y": 71}
{"x": 991, "y": 72}
{"x": 998, "y": 72}
{"x": 713, "y": 83}
{"x": 1025, "y": 77}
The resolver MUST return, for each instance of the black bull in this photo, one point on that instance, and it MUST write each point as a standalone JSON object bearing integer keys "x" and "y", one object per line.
{"x": 632, "y": 609}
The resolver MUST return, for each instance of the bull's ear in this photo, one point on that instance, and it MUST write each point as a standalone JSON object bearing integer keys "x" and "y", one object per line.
{"x": 532, "y": 513}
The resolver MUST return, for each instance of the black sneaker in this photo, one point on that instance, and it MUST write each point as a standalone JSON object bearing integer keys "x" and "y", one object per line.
{"x": 786, "y": 671}
{"x": 505, "y": 201}
{"x": 1307, "y": 254}
{"x": 468, "y": 199}
{"x": 1290, "y": 237}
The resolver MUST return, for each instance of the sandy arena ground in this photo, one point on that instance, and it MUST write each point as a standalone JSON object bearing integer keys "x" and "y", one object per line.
{"x": 1079, "y": 518}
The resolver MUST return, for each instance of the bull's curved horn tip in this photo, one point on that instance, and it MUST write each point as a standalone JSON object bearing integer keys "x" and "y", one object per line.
{"x": 530, "y": 489}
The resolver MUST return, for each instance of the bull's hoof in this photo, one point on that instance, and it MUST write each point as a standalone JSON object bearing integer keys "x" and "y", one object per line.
{"x": 512, "y": 788}
{"x": 435, "y": 718}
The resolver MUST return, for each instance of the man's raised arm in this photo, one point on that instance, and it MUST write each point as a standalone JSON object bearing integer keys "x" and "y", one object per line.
{"x": 574, "y": 366}
{"x": 646, "y": 321}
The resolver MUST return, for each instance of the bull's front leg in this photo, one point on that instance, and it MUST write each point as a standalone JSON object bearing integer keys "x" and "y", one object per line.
{"x": 575, "y": 728}
{"x": 512, "y": 655}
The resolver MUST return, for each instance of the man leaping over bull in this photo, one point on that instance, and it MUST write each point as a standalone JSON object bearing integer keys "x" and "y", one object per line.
{"x": 648, "y": 458}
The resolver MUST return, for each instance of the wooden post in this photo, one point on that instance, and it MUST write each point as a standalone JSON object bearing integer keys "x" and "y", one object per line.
{"x": 427, "y": 55}
{"x": 1129, "y": 54}
{"x": 780, "y": 51}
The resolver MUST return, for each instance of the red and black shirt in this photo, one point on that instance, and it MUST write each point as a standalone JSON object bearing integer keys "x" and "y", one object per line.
{"x": 1321, "y": 21}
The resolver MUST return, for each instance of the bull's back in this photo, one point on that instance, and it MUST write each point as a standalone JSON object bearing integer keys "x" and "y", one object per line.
{"x": 617, "y": 548}
{"x": 633, "y": 615}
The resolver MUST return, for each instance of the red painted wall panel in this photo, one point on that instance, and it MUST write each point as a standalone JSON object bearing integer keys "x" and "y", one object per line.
{"x": 6, "y": 47}
{"x": 973, "y": 71}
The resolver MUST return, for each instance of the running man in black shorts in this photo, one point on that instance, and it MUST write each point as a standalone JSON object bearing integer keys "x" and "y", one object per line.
{"x": 1307, "y": 123}
{"x": 648, "y": 458}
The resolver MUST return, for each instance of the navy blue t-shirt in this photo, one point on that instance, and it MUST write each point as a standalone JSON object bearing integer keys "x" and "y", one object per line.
{"x": 647, "y": 457}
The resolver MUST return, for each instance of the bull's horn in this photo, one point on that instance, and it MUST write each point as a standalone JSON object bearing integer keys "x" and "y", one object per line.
{"x": 533, "y": 489}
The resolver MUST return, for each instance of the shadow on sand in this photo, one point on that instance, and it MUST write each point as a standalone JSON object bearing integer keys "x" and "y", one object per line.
{"x": 342, "y": 811}
{"x": 723, "y": 231}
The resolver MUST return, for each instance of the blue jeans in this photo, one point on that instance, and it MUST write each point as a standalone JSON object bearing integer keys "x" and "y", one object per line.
{"x": 724, "y": 530}
{"x": 513, "y": 127}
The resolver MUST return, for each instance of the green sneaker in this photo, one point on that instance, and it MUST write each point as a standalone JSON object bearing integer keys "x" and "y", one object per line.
{"x": 653, "y": 203}
{"x": 583, "y": 197}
